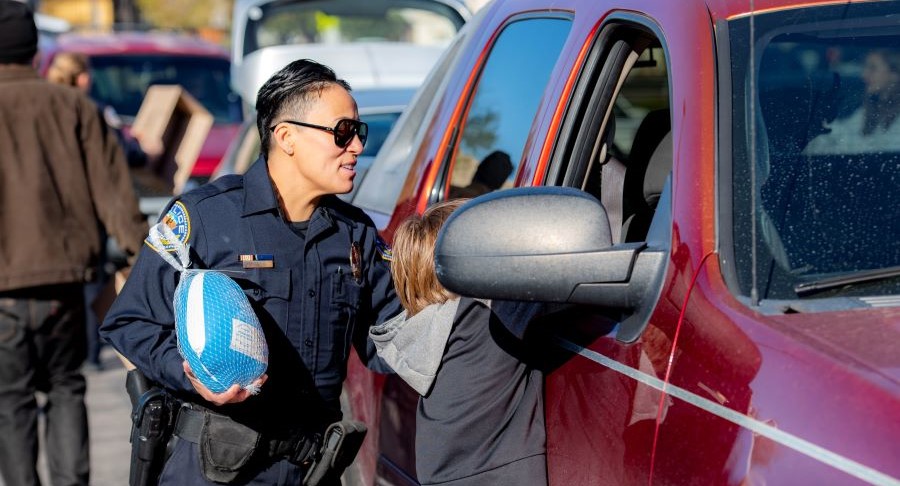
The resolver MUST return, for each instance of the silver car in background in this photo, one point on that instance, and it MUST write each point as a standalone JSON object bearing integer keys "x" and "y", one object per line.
{"x": 373, "y": 43}
{"x": 383, "y": 48}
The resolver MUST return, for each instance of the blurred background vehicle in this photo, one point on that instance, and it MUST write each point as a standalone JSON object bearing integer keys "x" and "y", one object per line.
{"x": 383, "y": 49}
{"x": 125, "y": 64}
{"x": 370, "y": 44}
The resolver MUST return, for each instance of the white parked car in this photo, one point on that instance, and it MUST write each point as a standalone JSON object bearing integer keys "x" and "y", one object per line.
{"x": 384, "y": 49}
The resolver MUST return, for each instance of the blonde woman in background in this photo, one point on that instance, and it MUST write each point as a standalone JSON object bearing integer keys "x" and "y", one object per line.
{"x": 73, "y": 69}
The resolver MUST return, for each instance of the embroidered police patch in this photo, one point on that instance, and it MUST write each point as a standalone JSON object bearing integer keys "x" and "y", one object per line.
{"x": 383, "y": 250}
{"x": 179, "y": 221}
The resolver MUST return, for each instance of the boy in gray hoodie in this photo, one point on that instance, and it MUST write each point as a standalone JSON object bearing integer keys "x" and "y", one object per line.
{"x": 480, "y": 417}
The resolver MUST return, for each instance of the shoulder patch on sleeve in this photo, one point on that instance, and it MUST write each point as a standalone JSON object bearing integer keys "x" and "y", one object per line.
{"x": 384, "y": 251}
{"x": 179, "y": 221}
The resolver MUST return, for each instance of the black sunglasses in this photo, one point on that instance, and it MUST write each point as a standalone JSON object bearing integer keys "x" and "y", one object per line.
{"x": 343, "y": 130}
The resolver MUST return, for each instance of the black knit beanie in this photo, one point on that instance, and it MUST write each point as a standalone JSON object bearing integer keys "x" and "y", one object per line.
{"x": 18, "y": 34}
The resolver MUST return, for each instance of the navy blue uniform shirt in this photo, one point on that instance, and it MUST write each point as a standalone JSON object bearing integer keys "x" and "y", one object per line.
{"x": 311, "y": 303}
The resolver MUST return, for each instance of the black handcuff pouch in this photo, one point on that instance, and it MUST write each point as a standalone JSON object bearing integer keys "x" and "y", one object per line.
{"x": 225, "y": 447}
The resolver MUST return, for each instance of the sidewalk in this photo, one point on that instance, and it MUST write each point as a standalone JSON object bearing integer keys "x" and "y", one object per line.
{"x": 110, "y": 423}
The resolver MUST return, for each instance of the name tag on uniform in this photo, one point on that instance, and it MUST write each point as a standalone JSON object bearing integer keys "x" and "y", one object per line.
{"x": 260, "y": 260}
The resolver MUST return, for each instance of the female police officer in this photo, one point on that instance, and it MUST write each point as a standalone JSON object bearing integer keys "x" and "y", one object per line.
{"x": 311, "y": 265}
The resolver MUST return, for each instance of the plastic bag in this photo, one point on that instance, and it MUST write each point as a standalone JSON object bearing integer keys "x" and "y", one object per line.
{"x": 218, "y": 333}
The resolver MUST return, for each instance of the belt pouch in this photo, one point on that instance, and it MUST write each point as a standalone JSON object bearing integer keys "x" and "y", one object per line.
{"x": 225, "y": 447}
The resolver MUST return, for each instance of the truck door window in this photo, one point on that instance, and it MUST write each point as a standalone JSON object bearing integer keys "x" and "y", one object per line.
{"x": 642, "y": 141}
{"x": 384, "y": 181}
{"x": 492, "y": 135}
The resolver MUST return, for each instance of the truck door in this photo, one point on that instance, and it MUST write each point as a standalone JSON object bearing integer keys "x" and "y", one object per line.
{"x": 603, "y": 390}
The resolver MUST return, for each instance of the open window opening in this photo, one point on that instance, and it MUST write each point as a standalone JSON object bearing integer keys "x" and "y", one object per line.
{"x": 615, "y": 144}
{"x": 623, "y": 151}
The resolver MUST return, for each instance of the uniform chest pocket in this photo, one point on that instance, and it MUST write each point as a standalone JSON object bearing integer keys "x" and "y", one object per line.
{"x": 268, "y": 291}
{"x": 344, "y": 290}
{"x": 260, "y": 285}
{"x": 345, "y": 306}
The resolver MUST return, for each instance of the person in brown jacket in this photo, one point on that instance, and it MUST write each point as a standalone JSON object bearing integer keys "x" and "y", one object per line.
{"x": 62, "y": 177}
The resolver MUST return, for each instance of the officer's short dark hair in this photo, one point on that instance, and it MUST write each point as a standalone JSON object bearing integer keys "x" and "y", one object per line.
{"x": 290, "y": 90}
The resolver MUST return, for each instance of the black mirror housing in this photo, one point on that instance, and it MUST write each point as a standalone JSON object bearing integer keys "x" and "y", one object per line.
{"x": 546, "y": 244}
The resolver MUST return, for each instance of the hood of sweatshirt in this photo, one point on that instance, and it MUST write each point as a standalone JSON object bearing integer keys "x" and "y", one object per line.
{"x": 414, "y": 346}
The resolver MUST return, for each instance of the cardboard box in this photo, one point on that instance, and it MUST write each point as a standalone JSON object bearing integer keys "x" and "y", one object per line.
{"x": 173, "y": 119}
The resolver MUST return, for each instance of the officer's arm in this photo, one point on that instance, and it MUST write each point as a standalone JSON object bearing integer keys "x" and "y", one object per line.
{"x": 376, "y": 307}
{"x": 141, "y": 323}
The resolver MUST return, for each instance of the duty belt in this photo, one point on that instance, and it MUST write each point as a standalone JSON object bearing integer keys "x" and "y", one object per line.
{"x": 300, "y": 448}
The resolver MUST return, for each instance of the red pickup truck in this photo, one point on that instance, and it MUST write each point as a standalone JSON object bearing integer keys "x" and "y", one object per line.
{"x": 729, "y": 262}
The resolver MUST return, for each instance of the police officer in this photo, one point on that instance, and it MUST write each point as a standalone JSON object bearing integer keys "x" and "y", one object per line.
{"x": 311, "y": 265}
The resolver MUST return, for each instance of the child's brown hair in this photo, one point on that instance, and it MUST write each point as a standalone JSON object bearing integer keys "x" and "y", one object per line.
{"x": 412, "y": 266}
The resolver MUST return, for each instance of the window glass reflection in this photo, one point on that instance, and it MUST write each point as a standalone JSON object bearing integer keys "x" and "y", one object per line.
{"x": 509, "y": 90}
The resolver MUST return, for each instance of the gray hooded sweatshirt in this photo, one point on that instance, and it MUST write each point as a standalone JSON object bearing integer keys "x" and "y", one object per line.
{"x": 480, "y": 418}
{"x": 413, "y": 347}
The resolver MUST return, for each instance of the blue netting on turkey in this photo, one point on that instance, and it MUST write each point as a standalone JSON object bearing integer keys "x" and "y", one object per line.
{"x": 218, "y": 333}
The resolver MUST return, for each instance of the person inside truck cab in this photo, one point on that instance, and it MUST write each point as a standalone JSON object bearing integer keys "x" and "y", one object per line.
{"x": 492, "y": 172}
{"x": 872, "y": 127}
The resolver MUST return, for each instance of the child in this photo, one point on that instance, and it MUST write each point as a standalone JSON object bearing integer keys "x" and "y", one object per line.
{"x": 480, "y": 417}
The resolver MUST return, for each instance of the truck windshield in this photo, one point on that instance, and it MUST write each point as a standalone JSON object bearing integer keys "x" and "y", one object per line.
{"x": 824, "y": 104}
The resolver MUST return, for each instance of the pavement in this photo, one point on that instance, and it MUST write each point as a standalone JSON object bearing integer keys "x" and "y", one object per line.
{"x": 109, "y": 419}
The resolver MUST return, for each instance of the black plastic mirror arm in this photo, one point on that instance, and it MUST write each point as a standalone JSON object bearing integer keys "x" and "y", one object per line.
{"x": 636, "y": 297}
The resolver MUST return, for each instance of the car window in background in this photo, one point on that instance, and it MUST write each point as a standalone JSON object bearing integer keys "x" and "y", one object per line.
{"x": 122, "y": 81}
{"x": 380, "y": 125}
{"x": 341, "y": 21}
{"x": 827, "y": 169}
{"x": 506, "y": 99}
{"x": 382, "y": 185}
